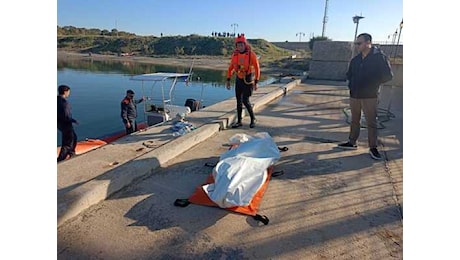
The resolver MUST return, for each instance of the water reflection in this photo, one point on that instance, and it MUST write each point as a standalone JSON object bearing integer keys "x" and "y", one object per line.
{"x": 99, "y": 86}
{"x": 217, "y": 77}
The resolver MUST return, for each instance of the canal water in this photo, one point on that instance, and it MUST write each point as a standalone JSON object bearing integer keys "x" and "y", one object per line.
{"x": 97, "y": 88}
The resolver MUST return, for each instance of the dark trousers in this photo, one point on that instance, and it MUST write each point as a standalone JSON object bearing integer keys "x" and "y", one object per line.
{"x": 133, "y": 127}
{"x": 69, "y": 142}
{"x": 242, "y": 94}
{"x": 369, "y": 107}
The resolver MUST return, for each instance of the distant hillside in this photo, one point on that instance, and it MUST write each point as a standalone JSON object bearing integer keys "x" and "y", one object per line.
{"x": 118, "y": 43}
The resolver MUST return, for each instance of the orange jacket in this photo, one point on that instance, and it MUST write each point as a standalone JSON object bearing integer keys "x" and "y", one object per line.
{"x": 244, "y": 63}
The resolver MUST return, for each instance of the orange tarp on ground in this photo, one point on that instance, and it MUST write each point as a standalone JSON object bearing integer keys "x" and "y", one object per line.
{"x": 201, "y": 198}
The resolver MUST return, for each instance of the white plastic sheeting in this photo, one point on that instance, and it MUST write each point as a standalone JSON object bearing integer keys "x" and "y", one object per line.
{"x": 241, "y": 172}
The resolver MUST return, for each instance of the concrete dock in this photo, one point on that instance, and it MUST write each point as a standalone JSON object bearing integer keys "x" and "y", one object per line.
{"x": 116, "y": 202}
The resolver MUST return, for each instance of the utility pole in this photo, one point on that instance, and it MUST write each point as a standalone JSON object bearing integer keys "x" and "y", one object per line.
{"x": 394, "y": 37}
{"x": 325, "y": 18}
{"x": 393, "y": 42}
{"x": 399, "y": 36}
{"x": 234, "y": 25}
{"x": 356, "y": 19}
{"x": 300, "y": 34}
{"x": 116, "y": 27}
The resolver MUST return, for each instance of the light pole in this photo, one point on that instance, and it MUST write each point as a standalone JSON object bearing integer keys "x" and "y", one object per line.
{"x": 300, "y": 34}
{"x": 116, "y": 25}
{"x": 356, "y": 19}
{"x": 399, "y": 36}
{"x": 234, "y": 25}
{"x": 393, "y": 46}
{"x": 394, "y": 37}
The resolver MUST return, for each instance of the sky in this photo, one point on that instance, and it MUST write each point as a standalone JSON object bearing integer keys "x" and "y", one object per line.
{"x": 274, "y": 21}
{"x": 29, "y": 84}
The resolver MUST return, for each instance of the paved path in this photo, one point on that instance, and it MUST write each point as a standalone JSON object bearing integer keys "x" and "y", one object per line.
{"x": 329, "y": 204}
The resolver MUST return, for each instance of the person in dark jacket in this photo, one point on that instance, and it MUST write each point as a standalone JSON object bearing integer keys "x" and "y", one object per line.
{"x": 366, "y": 72}
{"x": 129, "y": 111}
{"x": 65, "y": 124}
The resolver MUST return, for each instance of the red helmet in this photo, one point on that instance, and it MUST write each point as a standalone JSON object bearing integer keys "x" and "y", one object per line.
{"x": 241, "y": 38}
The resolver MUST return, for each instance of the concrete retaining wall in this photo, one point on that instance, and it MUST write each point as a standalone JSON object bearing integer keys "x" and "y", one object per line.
{"x": 328, "y": 70}
{"x": 397, "y": 76}
{"x": 330, "y": 61}
{"x": 331, "y": 51}
{"x": 391, "y": 50}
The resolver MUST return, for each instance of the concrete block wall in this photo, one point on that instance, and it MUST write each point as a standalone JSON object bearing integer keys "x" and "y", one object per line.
{"x": 391, "y": 50}
{"x": 397, "y": 80}
{"x": 331, "y": 51}
{"x": 330, "y": 61}
{"x": 328, "y": 70}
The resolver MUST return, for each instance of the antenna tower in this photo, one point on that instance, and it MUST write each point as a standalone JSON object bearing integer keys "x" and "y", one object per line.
{"x": 325, "y": 18}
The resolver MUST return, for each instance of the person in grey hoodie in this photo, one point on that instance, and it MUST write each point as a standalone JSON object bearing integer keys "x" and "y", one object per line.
{"x": 366, "y": 72}
{"x": 129, "y": 111}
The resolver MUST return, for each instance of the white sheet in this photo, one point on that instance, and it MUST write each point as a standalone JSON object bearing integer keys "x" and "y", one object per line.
{"x": 240, "y": 172}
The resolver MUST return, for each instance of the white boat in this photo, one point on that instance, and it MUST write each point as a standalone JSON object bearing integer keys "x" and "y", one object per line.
{"x": 158, "y": 103}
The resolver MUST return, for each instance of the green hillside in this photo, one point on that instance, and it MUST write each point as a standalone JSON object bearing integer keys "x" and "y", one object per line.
{"x": 115, "y": 42}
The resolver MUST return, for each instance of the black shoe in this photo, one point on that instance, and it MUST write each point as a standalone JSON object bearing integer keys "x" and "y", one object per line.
{"x": 253, "y": 123}
{"x": 236, "y": 125}
{"x": 348, "y": 146}
{"x": 375, "y": 154}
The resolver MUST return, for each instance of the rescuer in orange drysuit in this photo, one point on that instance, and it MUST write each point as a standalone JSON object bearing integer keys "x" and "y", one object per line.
{"x": 244, "y": 62}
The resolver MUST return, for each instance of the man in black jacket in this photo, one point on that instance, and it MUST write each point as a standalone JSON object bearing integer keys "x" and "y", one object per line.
{"x": 65, "y": 124}
{"x": 366, "y": 72}
{"x": 129, "y": 111}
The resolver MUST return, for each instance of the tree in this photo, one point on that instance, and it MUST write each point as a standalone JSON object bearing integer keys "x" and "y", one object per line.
{"x": 179, "y": 50}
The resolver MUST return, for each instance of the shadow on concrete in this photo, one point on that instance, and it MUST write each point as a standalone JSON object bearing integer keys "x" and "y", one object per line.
{"x": 325, "y": 82}
{"x": 308, "y": 237}
{"x": 162, "y": 186}
{"x": 156, "y": 212}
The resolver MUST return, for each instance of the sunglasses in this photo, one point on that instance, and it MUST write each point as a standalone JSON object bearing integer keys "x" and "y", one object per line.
{"x": 358, "y": 43}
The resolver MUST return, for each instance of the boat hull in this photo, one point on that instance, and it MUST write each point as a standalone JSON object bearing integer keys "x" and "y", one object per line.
{"x": 91, "y": 144}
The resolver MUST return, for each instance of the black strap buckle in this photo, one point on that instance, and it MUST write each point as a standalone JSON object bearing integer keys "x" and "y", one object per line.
{"x": 181, "y": 203}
